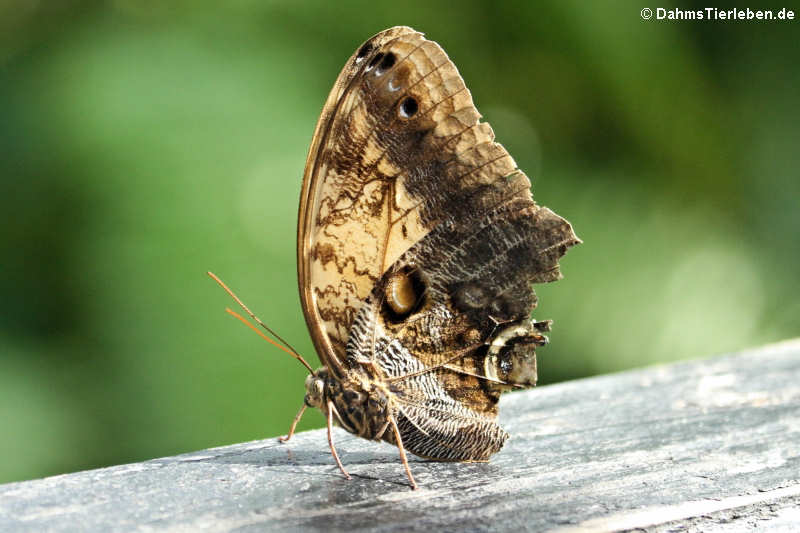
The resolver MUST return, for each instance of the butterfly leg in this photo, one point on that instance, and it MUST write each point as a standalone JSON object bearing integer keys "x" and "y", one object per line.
{"x": 330, "y": 440}
{"x": 403, "y": 457}
{"x": 297, "y": 418}
{"x": 380, "y": 433}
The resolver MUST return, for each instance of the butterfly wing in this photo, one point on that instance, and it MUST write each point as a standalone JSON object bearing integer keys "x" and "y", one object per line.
{"x": 352, "y": 195}
{"x": 476, "y": 268}
{"x": 404, "y": 182}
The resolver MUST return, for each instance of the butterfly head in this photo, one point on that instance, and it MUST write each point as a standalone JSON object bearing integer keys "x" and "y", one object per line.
{"x": 316, "y": 387}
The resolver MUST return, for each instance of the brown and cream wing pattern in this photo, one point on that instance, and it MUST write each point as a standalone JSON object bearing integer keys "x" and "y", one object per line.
{"x": 402, "y": 180}
{"x": 398, "y": 101}
{"x": 477, "y": 272}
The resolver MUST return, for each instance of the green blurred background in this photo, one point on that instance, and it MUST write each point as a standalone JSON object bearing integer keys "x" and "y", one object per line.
{"x": 143, "y": 143}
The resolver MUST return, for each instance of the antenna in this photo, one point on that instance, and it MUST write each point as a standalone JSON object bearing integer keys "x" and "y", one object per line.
{"x": 288, "y": 347}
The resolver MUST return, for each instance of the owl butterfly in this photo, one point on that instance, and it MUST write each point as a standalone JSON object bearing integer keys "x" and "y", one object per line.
{"x": 418, "y": 241}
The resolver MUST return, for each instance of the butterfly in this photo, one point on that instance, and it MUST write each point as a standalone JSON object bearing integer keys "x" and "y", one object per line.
{"x": 417, "y": 244}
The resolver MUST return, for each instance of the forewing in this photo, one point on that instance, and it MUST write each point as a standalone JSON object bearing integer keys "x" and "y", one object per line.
{"x": 363, "y": 203}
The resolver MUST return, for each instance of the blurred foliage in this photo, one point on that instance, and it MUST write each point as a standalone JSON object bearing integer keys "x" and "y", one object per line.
{"x": 143, "y": 143}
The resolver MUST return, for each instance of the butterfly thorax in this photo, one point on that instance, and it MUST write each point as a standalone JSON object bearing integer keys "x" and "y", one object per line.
{"x": 361, "y": 403}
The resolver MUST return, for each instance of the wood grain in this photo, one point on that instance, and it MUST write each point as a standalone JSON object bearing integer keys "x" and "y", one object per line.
{"x": 711, "y": 445}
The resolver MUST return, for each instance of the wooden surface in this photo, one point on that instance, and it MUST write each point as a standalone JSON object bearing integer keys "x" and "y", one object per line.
{"x": 710, "y": 445}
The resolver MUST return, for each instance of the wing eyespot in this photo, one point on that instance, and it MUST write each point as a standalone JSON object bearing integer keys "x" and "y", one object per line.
{"x": 404, "y": 293}
{"x": 408, "y": 107}
{"x": 470, "y": 296}
{"x": 363, "y": 52}
{"x": 386, "y": 63}
{"x": 374, "y": 61}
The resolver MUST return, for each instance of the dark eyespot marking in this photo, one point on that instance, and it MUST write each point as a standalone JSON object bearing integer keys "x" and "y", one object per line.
{"x": 404, "y": 293}
{"x": 408, "y": 107}
{"x": 374, "y": 61}
{"x": 363, "y": 52}
{"x": 387, "y": 63}
{"x": 470, "y": 295}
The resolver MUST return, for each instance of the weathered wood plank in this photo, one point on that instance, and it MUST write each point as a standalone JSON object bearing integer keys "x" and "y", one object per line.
{"x": 712, "y": 444}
